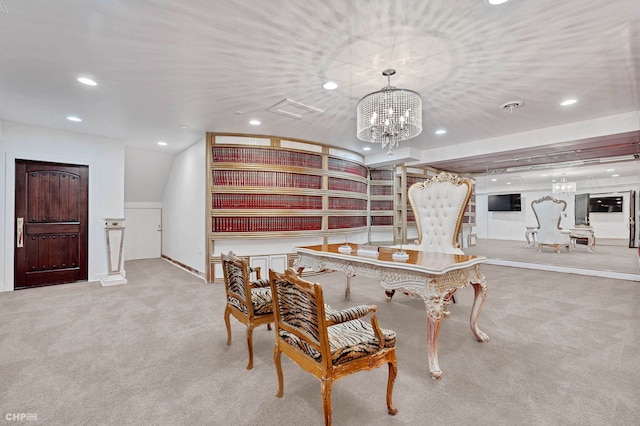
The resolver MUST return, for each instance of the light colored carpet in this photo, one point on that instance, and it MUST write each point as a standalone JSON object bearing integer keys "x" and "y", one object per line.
{"x": 563, "y": 349}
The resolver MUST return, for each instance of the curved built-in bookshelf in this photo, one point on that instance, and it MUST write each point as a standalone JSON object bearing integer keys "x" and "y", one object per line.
{"x": 381, "y": 199}
{"x": 269, "y": 187}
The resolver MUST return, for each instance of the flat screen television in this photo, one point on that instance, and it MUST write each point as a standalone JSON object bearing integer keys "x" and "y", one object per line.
{"x": 505, "y": 203}
{"x": 605, "y": 204}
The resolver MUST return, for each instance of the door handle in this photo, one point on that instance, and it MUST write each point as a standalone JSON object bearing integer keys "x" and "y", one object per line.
{"x": 20, "y": 232}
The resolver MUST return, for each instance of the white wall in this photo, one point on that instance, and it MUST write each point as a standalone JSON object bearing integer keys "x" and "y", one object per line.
{"x": 183, "y": 208}
{"x": 105, "y": 158}
{"x": 146, "y": 174}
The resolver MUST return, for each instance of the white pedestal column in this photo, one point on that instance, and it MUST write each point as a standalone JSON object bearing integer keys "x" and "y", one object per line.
{"x": 114, "y": 229}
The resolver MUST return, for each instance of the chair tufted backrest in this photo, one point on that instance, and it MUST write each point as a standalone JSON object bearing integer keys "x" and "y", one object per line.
{"x": 438, "y": 205}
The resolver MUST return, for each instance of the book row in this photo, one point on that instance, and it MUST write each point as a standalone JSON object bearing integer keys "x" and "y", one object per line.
{"x": 266, "y": 201}
{"x": 381, "y": 175}
{"x": 346, "y": 166}
{"x": 266, "y": 224}
{"x": 381, "y": 190}
{"x": 253, "y": 155}
{"x": 378, "y": 205}
{"x": 337, "y": 184}
{"x": 343, "y": 222}
{"x": 381, "y": 220}
{"x": 284, "y": 201}
{"x": 284, "y": 223}
{"x": 262, "y": 178}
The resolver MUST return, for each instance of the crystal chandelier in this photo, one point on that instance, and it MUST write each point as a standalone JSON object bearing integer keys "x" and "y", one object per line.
{"x": 563, "y": 187}
{"x": 389, "y": 115}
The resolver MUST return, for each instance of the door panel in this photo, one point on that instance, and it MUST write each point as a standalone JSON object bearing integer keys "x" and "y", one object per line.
{"x": 581, "y": 211}
{"x": 143, "y": 236}
{"x": 52, "y": 199}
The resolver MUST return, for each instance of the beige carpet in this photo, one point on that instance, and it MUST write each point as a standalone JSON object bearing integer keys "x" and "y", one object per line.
{"x": 563, "y": 349}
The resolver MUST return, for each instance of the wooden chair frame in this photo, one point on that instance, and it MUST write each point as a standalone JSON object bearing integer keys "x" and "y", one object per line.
{"x": 325, "y": 370}
{"x": 248, "y": 318}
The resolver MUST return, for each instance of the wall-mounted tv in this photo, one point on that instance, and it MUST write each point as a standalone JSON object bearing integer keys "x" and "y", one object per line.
{"x": 605, "y": 204}
{"x": 505, "y": 203}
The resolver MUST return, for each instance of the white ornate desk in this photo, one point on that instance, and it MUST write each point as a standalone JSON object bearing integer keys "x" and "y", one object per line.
{"x": 433, "y": 277}
{"x": 583, "y": 233}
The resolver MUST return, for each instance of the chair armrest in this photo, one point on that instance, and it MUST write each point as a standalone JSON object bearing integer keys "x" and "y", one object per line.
{"x": 336, "y": 317}
{"x": 255, "y": 269}
{"x": 261, "y": 282}
{"x": 377, "y": 331}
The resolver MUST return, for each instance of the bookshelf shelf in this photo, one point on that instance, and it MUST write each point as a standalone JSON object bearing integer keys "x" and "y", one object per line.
{"x": 269, "y": 187}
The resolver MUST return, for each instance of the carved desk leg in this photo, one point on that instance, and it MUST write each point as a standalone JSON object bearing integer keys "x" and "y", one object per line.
{"x": 347, "y": 287}
{"x": 435, "y": 310}
{"x": 480, "y": 290}
{"x": 389, "y": 294}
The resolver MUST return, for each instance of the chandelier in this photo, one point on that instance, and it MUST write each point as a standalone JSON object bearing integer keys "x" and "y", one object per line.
{"x": 563, "y": 187}
{"x": 389, "y": 115}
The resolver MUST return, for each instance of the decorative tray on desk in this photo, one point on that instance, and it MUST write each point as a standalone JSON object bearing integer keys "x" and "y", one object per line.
{"x": 371, "y": 251}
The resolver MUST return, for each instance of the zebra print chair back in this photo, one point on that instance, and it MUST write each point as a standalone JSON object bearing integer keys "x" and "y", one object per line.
{"x": 325, "y": 342}
{"x": 248, "y": 301}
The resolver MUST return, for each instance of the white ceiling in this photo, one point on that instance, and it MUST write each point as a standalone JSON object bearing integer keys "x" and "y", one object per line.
{"x": 162, "y": 64}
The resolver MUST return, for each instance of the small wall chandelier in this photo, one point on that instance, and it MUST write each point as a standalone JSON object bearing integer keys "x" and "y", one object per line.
{"x": 563, "y": 187}
{"x": 389, "y": 115}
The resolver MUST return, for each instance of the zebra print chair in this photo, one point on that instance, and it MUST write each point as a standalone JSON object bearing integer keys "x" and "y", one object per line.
{"x": 327, "y": 343}
{"x": 248, "y": 301}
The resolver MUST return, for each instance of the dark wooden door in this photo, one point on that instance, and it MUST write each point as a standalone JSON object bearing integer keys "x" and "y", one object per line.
{"x": 51, "y": 223}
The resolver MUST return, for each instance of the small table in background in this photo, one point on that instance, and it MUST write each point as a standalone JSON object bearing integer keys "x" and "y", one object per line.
{"x": 583, "y": 233}
{"x": 530, "y": 235}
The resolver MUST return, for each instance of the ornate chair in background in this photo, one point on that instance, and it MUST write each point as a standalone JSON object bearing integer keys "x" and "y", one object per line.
{"x": 438, "y": 205}
{"x": 548, "y": 213}
{"x": 327, "y": 343}
{"x": 248, "y": 301}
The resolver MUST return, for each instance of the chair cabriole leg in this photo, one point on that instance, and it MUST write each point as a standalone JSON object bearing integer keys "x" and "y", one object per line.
{"x": 276, "y": 361}
{"x": 326, "y": 400}
{"x": 227, "y": 313}
{"x": 250, "y": 345}
{"x": 393, "y": 372}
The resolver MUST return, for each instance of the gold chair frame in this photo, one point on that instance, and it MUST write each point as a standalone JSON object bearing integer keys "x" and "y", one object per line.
{"x": 325, "y": 369}
{"x": 248, "y": 318}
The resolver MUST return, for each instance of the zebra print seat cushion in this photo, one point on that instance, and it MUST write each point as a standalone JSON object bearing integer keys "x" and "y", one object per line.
{"x": 261, "y": 300}
{"x": 347, "y": 341}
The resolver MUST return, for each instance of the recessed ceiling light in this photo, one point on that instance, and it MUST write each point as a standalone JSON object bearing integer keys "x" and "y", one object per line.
{"x": 441, "y": 132}
{"x": 161, "y": 143}
{"x": 568, "y": 102}
{"x": 74, "y": 118}
{"x": 494, "y": 180}
{"x": 611, "y": 170}
{"x": 616, "y": 175}
{"x": 366, "y": 148}
{"x": 330, "y": 85}
{"x": 254, "y": 122}
{"x": 183, "y": 126}
{"x": 508, "y": 183}
{"x": 87, "y": 81}
{"x": 496, "y": 2}
{"x": 545, "y": 175}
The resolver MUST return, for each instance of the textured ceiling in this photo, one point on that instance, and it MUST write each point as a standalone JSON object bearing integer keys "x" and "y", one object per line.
{"x": 213, "y": 66}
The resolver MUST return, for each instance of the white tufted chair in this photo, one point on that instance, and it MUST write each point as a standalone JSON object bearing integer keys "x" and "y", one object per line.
{"x": 548, "y": 213}
{"x": 438, "y": 205}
